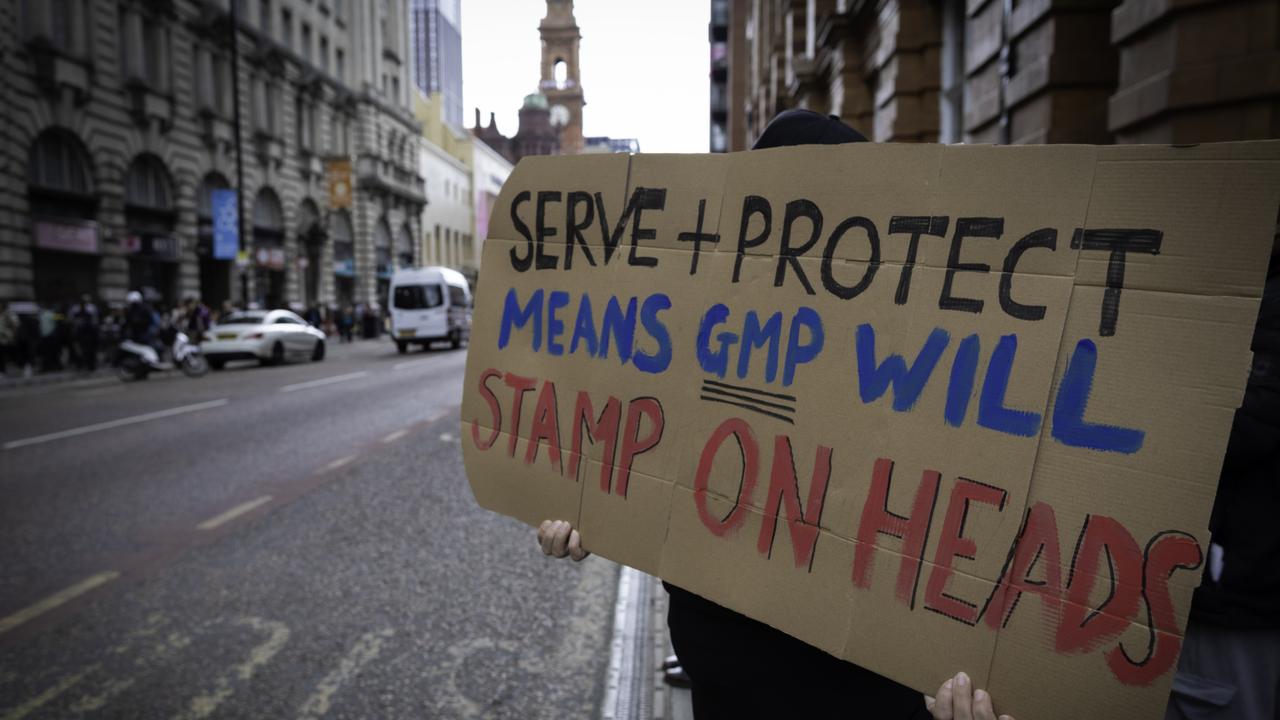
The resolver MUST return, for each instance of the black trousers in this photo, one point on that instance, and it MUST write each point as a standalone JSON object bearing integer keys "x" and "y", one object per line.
{"x": 741, "y": 668}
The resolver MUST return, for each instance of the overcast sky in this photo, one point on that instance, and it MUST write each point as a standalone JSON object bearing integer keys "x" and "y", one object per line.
{"x": 645, "y": 67}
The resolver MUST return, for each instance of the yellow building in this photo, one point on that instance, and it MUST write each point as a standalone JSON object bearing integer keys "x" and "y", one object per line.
{"x": 463, "y": 177}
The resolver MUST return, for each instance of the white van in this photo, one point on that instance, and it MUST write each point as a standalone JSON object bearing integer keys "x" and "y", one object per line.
{"x": 428, "y": 305}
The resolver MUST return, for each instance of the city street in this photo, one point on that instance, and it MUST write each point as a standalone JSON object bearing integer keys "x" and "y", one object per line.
{"x": 277, "y": 542}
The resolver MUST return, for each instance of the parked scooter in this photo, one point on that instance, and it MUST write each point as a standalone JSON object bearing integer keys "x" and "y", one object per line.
{"x": 136, "y": 360}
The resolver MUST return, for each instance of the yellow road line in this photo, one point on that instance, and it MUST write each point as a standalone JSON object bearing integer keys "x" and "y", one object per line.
{"x": 362, "y": 653}
{"x": 47, "y": 696}
{"x": 59, "y": 598}
{"x": 233, "y": 513}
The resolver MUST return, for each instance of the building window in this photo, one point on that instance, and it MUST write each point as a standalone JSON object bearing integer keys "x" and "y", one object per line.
{"x": 273, "y": 108}
{"x": 222, "y": 84}
{"x": 305, "y": 119}
{"x": 340, "y": 9}
{"x": 204, "y": 78}
{"x": 61, "y": 23}
{"x": 306, "y": 42}
{"x": 63, "y": 15}
{"x": 266, "y": 103}
{"x": 58, "y": 162}
{"x": 286, "y": 27}
{"x": 156, "y": 70}
{"x": 324, "y": 53}
{"x": 147, "y": 184}
{"x": 264, "y": 17}
{"x": 123, "y": 30}
{"x": 340, "y": 59}
{"x": 383, "y": 13}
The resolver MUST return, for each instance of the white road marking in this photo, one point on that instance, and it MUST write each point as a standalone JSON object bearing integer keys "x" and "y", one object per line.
{"x": 410, "y": 364}
{"x": 202, "y": 706}
{"x": 47, "y": 696}
{"x": 339, "y": 463}
{"x": 323, "y": 381}
{"x": 360, "y": 654}
{"x": 12, "y": 444}
{"x": 446, "y": 437}
{"x": 233, "y": 513}
{"x": 394, "y": 436}
{"x": 59, "y": 598}
{"x": 438, "y": 416}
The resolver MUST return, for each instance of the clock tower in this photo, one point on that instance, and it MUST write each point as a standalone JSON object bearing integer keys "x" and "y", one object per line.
{"x": 560, "y": 80}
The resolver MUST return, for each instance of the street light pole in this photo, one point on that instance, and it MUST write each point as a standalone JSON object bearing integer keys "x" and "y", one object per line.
{"x": 235, "y": 105}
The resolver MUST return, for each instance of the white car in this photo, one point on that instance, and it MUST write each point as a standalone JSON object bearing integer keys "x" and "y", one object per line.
{"x": 269, "y": 336}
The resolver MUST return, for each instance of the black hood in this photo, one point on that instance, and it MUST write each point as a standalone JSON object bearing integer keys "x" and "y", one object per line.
{"x": 806, "y": 127}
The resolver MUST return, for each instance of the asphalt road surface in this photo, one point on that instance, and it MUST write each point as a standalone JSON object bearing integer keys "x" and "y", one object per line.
{"x": 286, "y": 542}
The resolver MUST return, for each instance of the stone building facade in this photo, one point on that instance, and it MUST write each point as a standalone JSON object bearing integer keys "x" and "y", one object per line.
{"x": 118, "y": 127}
{"x": 991, "y": 71}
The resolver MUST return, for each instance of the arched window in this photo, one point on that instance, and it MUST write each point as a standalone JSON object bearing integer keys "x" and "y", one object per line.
{"x": 204, "y": 208}
{"x": 344, "y": 244}
{"x": 309, "y": 228}
{"x": 59, "y": 162}
{"x": 561, "y": 73}
{"x": 404, "y": 247}
{"x": 267, "y": 214}
{"x": 204, "y": 198}
{"x": 147, "y": 184}
{"x": 382, "y": 248}
{"x": 340, "y": 228}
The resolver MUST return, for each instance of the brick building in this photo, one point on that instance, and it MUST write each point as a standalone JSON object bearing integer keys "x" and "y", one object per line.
{"x": 118, "y": 128}
{"x": 1001, "y": 71}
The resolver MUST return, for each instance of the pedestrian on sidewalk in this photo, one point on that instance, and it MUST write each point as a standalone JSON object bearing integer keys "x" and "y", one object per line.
{"x": 197, "y": 320}
{"x": 84, "y": 333}
{"x": 346, "y": 323}
{"x": 51, "y": 334}
{"x": 28, "y": 336}
{"x": 1230, "y": 664}
{"x": 8, "y": 337}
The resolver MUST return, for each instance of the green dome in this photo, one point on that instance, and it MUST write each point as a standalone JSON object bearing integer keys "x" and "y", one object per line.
{"x": 536, "y": 101}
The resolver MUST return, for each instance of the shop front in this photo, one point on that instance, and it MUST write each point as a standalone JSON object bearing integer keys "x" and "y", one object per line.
{"x": 344, "y": 259}
{"x": 66, "y": 255}
{"x": 382, "y": 259}
{"x": 311, "y": 240}
{"x": 149, "y": 241}
{"x": 404, "y": 248}
{"x": 268, "y": 250}
{"x": 66, "y": 240}
{"x": 215, "y": 272}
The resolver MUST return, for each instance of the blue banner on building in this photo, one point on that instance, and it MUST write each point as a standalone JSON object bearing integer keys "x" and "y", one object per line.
{"x": 226, "y": 225}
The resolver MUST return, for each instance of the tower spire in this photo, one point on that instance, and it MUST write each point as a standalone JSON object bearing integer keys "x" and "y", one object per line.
{"x": 561, "y": 80}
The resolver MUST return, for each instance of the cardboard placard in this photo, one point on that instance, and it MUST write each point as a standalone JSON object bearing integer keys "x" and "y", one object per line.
{"x": 928, "y": 408}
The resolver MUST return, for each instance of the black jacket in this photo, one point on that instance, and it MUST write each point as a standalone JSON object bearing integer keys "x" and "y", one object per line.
{"x": 1246, "y": 514}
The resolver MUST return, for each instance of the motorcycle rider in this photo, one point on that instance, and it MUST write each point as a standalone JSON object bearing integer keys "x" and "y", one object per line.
{"x": 140, "y": 324}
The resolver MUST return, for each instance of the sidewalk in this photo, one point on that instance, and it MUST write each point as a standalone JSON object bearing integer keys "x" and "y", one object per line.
{"x": 634, "y": 686}
{"x": 17, "y": 379}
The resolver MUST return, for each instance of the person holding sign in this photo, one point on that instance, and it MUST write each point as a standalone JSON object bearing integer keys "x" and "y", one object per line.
{"x": 739, "y": 667}
{"x": 1230, "y": 663}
